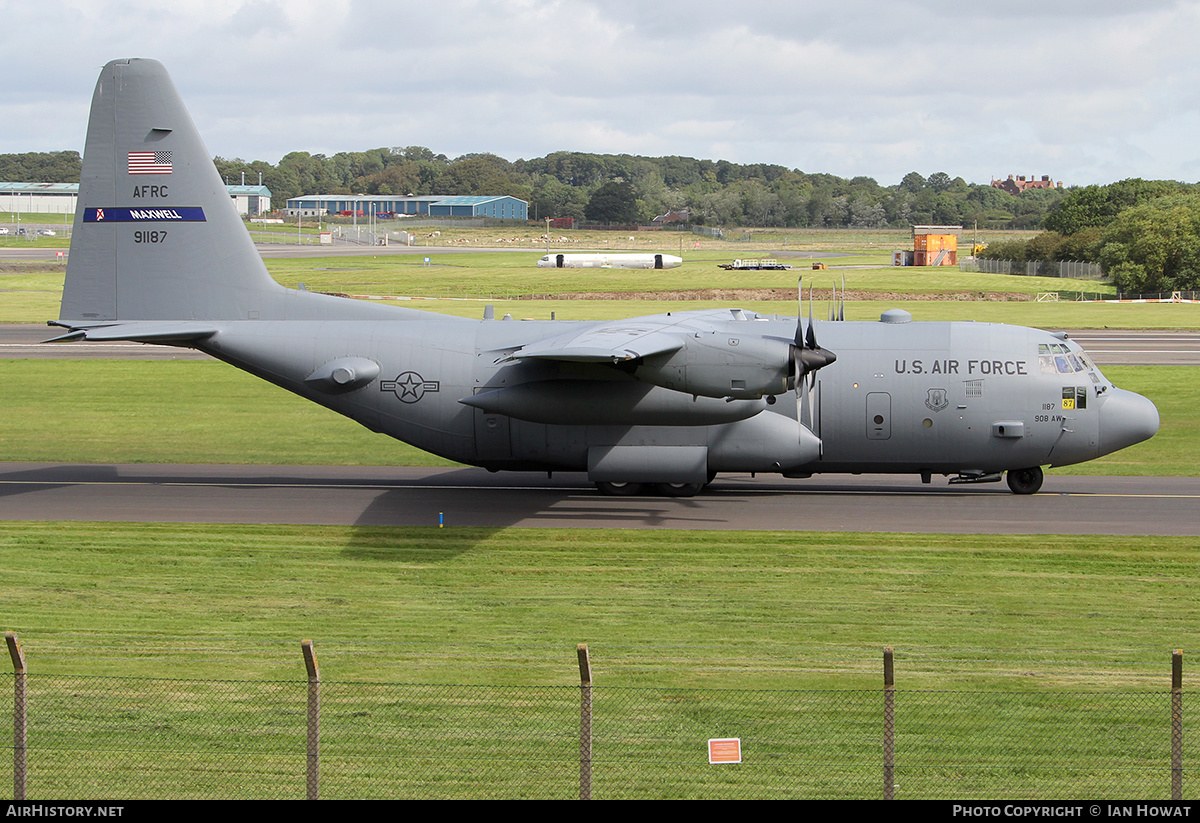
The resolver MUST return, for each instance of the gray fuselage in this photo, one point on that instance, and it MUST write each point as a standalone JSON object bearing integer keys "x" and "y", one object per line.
{"x": 901, "y": 397}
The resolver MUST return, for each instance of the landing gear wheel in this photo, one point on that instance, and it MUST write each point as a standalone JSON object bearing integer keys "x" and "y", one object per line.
{"x": 679, "y": 489}
{"x": 1025, "y": 481}
{"x": 619, "y": 489}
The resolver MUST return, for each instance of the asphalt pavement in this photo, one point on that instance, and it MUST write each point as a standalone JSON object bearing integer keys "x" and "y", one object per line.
{"x": 457, "y": 497}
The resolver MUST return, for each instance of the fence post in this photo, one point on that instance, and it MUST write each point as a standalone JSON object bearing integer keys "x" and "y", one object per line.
{"x": 19, "y": 728}
{"x": 313, "y": 776}
{"x": 1177, "y": 725}
{"x": 889, "y": 725}
{"x": 585, "y": 722}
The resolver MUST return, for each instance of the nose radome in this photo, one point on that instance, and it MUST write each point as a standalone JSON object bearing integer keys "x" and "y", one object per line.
{"x": 1125, "y": 418}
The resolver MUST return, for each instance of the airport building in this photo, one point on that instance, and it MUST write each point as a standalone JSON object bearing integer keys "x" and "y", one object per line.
{"x": 251, "y": 201}
{"x": 43, "y": 198}
{"x": 501, "y": 207}
{"x": 62, "y": 198}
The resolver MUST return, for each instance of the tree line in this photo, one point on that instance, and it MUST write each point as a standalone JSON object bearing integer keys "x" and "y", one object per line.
{"x": 620, "y": 188}
{"x": 1145, "y": 234}
{"x": 40, "y": 167}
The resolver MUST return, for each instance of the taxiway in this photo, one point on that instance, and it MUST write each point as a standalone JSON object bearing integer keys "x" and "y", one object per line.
{"x": 369, "y": 496}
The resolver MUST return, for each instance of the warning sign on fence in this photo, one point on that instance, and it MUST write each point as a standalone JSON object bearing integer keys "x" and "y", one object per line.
{"x": 725, "y": 750}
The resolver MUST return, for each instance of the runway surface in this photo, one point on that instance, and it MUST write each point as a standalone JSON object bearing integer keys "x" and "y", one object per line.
{"x": 352, "y": 496}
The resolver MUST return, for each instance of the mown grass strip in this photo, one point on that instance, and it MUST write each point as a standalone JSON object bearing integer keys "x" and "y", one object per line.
{"x": 507, "y": 606}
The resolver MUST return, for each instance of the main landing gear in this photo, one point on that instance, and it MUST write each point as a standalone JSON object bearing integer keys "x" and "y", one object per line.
{"x": 665, "y": 489}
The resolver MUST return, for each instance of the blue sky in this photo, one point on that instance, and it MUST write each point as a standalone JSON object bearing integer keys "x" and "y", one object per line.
{"x": 1086, "y": 92}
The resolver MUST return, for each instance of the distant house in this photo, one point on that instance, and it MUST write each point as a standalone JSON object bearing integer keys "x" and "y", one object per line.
{"x": 1015, "y": 184}
{"x": 680, "y": 216}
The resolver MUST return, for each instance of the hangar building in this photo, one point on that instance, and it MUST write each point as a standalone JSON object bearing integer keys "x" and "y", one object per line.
{"x": 502, "y": 207}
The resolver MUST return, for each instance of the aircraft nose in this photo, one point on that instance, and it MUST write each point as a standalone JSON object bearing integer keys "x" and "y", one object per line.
{"x": 1125, "y": 418}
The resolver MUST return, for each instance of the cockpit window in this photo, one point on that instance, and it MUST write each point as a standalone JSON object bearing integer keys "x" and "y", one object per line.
{"x": 1064, "y": 358}
{"x": 1058, "y": 358}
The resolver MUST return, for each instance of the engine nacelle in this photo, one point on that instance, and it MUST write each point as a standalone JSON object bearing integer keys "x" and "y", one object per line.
{"x": 723, "y": 364}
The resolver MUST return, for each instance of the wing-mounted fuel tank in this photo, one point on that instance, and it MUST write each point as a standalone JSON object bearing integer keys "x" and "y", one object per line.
{"x": 609, "y": 403}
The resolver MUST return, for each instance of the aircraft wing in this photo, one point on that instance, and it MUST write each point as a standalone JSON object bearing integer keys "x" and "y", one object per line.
{"x": 606, "y": 343}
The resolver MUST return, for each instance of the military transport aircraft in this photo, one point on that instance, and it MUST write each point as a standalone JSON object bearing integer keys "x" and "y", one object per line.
{"x": 660, "y": 403}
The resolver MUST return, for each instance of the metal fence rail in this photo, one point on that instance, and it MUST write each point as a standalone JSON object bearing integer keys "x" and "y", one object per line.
{"x": 133, "y": 738}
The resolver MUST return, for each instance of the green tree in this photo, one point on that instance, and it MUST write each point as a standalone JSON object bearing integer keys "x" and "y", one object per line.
{"x": 41, "y": 167}
{"x": 477, "y": 174}
{"x": 552, "y": 198}
{"x": 939, "y": 181}
{"x": 1155, "y": 247}
{"x": 614, "y": 202}
{"x": 1093, "y": 206}
{"x": 912, "y": 183}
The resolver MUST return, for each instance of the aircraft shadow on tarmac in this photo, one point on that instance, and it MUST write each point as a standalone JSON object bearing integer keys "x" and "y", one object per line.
{"x": 471, "y": 498}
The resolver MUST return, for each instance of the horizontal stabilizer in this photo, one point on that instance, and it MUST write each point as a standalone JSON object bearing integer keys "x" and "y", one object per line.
{"x": 145, "y": 332}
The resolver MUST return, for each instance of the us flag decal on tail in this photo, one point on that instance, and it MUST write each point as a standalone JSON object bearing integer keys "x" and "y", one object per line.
{"x": 149, "y": 162}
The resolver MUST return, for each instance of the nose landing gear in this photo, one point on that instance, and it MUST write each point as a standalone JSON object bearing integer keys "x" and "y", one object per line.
{"x": 1025, "y": 481}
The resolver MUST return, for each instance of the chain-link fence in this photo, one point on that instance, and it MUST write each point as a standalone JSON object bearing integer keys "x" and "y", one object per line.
{"x": 106, "y": 737}
{"x": 1073, "y": 269}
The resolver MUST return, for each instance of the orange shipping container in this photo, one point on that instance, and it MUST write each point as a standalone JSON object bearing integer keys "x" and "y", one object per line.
{"x": 935, "y": 242}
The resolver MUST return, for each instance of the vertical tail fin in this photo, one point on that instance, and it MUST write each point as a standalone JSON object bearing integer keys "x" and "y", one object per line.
{"x": 156, "y": 235}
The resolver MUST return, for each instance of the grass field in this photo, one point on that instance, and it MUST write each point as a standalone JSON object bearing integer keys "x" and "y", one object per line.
{"x": 166, "y": 660}
{"x": 464, "y": 283}
{"x": 457, "y": 283}
{"x": 658, "y": 608}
